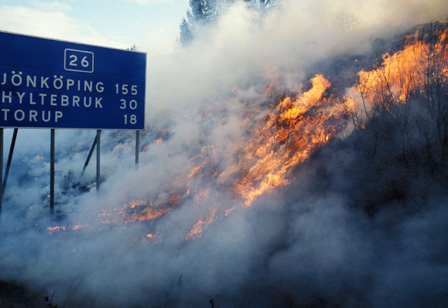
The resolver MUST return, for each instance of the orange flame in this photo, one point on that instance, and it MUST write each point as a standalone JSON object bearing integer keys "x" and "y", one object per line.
{"x": 196, "y": 231}
{"x": 137, "y": 211}
{"x": 403, "y": 72}
{"x": 51, "y": 230}
{"x": 300, "y": 126}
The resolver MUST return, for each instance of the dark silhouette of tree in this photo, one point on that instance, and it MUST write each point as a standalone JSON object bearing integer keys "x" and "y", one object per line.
{"x": 202, "y": 12}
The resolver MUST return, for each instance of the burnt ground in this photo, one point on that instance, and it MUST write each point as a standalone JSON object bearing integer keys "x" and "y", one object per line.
{"x": 16, "y": 296}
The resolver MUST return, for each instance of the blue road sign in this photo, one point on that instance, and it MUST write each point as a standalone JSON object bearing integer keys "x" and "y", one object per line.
{"x": 57, "y": 84}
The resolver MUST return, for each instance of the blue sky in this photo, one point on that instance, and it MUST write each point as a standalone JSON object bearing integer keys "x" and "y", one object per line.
{"x": 152, "y": 25}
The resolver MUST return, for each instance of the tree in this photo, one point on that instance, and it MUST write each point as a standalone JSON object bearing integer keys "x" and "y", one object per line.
{"x": 262, "y": 3}
{"x": 202, "y": 12}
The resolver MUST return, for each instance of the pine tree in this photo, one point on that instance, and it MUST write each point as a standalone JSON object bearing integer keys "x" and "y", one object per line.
{"x": 202, "y": 12}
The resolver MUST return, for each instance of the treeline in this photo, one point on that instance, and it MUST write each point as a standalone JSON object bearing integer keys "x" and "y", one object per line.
{"x": 202, "y": 12}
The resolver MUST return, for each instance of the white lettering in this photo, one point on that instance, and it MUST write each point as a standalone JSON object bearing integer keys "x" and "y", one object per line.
{"x": 20, "y": 95}
{"x": 88, "y": 85}
{"x": 42, "y": 98}
{"x": 100, "y": 87}
{"x": 33, "y": 116}
{"x": 70, "y": 83}
{"x": 64, "y": 100}
{"x": 89, "y": 99}
{"x": 75, "y": 101}
{"x": 8, "y": 96}
{"x": 5, "y": 113}
{"x": 58, "y": 83}
{"x": 98, "y": 102}
{"x": 43, "y": 82}
{"x": 43, "y": 116}
{"x": 19, "y": 115}
{"x": 53, "y": 98}
{"x": 16, "y": 79}
{"x": 31, "y": 99}
{"x": 31, "y": 81}
{"x": 57, "y": 116}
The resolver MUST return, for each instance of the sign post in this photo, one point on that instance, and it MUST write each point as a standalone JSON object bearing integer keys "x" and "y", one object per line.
{"x": 98, "y": 160}
{"x": 137, "y": 148}
{"x": 8, "y": 163}
{"x": 56, "y": 84}
{"x": 1, "y": 170}
{"x": 52, "y": 158}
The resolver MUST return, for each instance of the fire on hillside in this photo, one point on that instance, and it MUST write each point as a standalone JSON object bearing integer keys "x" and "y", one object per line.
{"x": 295, "y": 127}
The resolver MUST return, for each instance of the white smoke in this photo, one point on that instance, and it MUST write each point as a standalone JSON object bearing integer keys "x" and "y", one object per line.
{"x": 281, "y": 252}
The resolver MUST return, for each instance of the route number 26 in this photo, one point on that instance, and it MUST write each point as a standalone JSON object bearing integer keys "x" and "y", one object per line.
{"x": 78, "y": 60}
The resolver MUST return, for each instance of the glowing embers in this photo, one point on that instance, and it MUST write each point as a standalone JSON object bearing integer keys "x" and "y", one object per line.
{"x": 136, "y": 211}
{"x": 63, "y": 228}
{"x": 140, "y": 211}
{"x": 197, "y": 229}
{"x": 52, "y": 230}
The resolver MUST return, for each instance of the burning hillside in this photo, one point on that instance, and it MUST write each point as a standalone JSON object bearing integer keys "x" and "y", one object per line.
{"x": 294, "y": 188}
{"x": 299, "y": 125}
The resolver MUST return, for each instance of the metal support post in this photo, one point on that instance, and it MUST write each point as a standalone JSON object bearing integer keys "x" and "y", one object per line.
{"x": 89, "y": 156}
{"x": 137, "y": 148}
{"x": 8, "y": 164}
{"x": 52, "y": 158}
{"x": 1, "y": 170}
{"x": 98, "y": 160}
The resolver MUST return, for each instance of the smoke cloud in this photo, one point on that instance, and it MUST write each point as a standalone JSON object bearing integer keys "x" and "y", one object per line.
{"x": 308, "y": 244}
